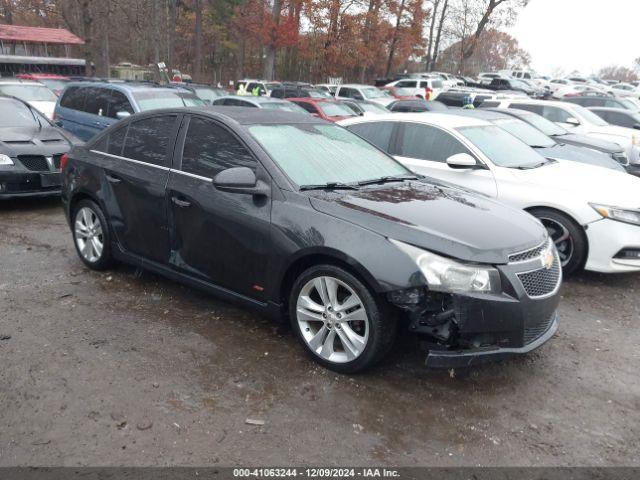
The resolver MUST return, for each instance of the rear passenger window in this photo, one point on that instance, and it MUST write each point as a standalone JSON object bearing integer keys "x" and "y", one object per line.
{"x": 529, "y": 108}
{"x": 97, "y": 102}
{"x": 116, "y": 141}
{"x": 378, "y": 133}
{"x": 148, "y": 140}
{"x": 428, "y": 143}
{"x": 73, "y": 98}
{"x": 119, "y": 103}
{"x": 210, "y": 148}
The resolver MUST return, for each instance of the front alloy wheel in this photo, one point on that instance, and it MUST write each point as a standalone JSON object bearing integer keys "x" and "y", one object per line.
{"x": 340, "y": 321}
{"x": 332, "y": 319}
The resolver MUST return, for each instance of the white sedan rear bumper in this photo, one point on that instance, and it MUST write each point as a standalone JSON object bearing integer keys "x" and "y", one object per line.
{"x": 606, "y": 239}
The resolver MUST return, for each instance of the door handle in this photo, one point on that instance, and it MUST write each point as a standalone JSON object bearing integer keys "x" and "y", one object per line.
{"x": 113, "y": 179}
{"x": 181, "y": 203}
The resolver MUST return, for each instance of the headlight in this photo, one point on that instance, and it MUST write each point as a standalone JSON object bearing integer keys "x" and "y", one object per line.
{"x": 446, "y": 275}
{"x": 5, "y": 160}
{"x": 619, "y": 214}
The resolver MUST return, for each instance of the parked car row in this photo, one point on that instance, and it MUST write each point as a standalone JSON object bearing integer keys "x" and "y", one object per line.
{"x": 457, "y": 224}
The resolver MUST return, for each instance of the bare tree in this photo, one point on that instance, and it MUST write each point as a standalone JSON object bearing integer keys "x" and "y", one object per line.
{"x": 270, "y": 47}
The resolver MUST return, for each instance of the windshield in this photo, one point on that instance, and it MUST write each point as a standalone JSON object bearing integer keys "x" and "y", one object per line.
{"x": 502, "y": 148}
{"x": 209, "y": 94}
{"x": 55, "y": 85}
{"x": 285, "y": 106}
{"x": 373, "y": 108}
{"x": 372, "y": 92}
{"x": 154, "y": 99}
{"x": 588, "y": 115}
{"x": 545, "y": 126}
{"x": 16, "y": 114}
{"x": 335, "y": 109}
{"x": 320, "y": 154}
{"x": 29, "y": 93}
{"x": 526, "y": 133}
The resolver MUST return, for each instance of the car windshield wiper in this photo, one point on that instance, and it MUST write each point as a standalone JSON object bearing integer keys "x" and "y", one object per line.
{"x": 388, "y": 179}
{"x": 329, "y": 186}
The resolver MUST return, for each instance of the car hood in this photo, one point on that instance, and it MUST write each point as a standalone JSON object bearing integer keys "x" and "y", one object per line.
{"x": 590, "y": 142}
{"x": 32, "y": 141}
{"x": 438, "y": 218}
{"x": 582, "y": 155}
{"x": 614, "y": 131}
{"x": 581, "y": 181}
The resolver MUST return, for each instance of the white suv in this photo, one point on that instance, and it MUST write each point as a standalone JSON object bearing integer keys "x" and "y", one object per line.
{"x": 364, "y": 92}
{"x": 427, "y": 88}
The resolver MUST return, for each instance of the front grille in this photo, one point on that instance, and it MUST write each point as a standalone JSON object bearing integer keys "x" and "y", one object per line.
{"x": 35, "y": 163}
{"x": 528, "y": 254}
{"x": 542, "y": 282}
{"x": 621, "y": 158}
{"x": 533, "y": 332}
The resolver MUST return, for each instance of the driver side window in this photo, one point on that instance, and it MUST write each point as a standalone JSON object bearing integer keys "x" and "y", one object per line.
{"x": 210, "y": 148}
{"x": 556, "y": 114}
{"x": 425, "y": 142}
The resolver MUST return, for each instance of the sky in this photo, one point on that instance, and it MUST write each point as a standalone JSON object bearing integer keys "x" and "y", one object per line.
{"x": 582, "y": 35}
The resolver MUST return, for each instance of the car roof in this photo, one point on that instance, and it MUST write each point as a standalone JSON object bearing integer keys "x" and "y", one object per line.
{"x": 18, "y": 81}
{"x": 238, "y": 115}
{"x": 357, "y": 85}
{"x": 487, "y": 115}
{"x": 255, "y": 99}
{"x": 132, "y": 87}
{"x": 443, "y": 119}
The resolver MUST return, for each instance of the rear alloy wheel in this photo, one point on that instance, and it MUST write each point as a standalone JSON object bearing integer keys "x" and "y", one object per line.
{"x": 338, "y": 320}
{"x": 91, "y": 235}
{"x": 567, "y": 236}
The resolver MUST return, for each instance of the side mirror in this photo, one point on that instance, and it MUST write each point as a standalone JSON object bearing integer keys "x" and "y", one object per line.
{"x": 572, "y": 121}
{"x": 240, "y": 180}
{"x": 122, "y": 115}
{"x": 463, "y": 161}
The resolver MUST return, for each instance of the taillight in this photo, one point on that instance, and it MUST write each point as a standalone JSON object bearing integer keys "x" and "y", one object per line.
{"x": 427, "y": 93}
{"x": 63, "y": 161}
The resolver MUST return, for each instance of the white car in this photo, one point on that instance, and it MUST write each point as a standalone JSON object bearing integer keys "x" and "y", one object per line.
{"x": 428, "y": 88}
{"x": 485, "y": 78}
{"x": 625, "y": 90}
{"x": 591, "y": 213}
{"x": 35, "y": 94}
{"x": 364, "y": 92}
{"x": 576, "y": 90}
{"x": 578, "y": 119}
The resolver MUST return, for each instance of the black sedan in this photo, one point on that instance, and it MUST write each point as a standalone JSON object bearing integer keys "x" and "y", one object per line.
{"x": 300, "y": 218}
{"x": 31, "y": 149}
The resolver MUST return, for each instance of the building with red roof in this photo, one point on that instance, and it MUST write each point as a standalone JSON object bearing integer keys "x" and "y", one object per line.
{"x": 38, "y": 49}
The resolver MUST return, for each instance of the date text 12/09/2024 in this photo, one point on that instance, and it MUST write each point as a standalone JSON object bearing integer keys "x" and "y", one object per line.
{"x": 316, "y": 472}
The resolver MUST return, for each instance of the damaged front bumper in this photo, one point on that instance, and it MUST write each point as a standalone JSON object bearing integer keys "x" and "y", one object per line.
{"x": 469, "y": 358}
{"x": 464, "y": 328}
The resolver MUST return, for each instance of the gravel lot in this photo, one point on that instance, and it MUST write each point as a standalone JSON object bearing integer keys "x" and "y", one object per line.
{"x": 126, "y": 368}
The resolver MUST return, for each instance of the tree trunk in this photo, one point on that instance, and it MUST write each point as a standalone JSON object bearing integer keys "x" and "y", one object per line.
{"x": 371, "y": 11}
{"x": 473, "y": 41}
{"x": 436, "y": 47}
{"x": 171, "y": 38}
{"x": 394, "y": 40}
{"x": 156, "y": 30}
{"x": 197, "y": 64}
{"x": 434, "y": 14}
{"x": 270, "y": 47}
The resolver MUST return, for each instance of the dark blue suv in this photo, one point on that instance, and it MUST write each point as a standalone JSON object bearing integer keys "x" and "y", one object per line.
{"x": 87, "y": 108}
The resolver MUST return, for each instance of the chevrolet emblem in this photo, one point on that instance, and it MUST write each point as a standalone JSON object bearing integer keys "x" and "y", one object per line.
{"x": 547, "y": 259}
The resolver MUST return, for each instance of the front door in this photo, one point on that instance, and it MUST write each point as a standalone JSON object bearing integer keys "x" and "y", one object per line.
{"x": 221, "y": 237}
{"x": 425, "y": 150}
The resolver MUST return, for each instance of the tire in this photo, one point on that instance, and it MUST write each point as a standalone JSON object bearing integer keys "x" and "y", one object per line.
{"x": 568, "y": 236}
{"x": 339, "y": 344}
{"x": 91, "y": 235}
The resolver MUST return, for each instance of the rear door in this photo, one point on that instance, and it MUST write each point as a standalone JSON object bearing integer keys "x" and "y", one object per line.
{"x": 136, "y": 173}
{"x": 425, "y": 150}
{"x": 220, "y": 237}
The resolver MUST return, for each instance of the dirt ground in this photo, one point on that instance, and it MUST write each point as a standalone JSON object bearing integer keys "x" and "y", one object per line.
{"x": 126, "y": 368}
